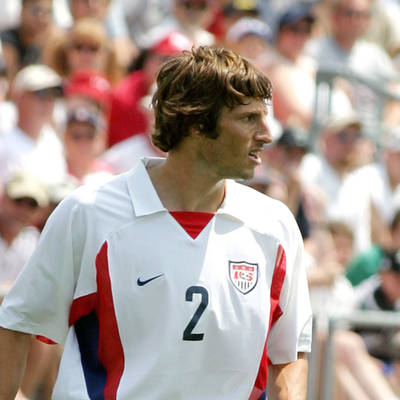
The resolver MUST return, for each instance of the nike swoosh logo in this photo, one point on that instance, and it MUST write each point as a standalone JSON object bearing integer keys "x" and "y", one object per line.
{"x": 142, "y": 283}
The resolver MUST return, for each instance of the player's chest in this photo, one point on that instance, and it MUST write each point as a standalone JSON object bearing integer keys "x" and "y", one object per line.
{"x": 226, "y": 270}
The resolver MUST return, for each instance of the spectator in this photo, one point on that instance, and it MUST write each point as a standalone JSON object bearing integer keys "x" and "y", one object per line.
{"x": 345, "y": 49}
{"x": 357, "y": 375}
{"x": 127, "y": 117}
{"x": 23, "y": 44}
{"x": 143, "y": 16}
{"x": 341, "y": 149}
{"x": 293, "y": 72}
{"x": 367, "y": 263}
{"x": 251, "y": 38}
{"x": 111, "y": 14}
{"x": 89, "y": 88}
{"x": 85, "y": 46}
{"x": 382, "y": 178}
{"x": 25, "y": 198}
{"x": 84, "y": 140}
{"x": 192, "y": 18}
{"x": 236, "y": 9}
{"x": 33, "y": 143}
{"x": 382, "y": 292}
{"x": 284, "y": 159}
{"x": 24, "y": 195}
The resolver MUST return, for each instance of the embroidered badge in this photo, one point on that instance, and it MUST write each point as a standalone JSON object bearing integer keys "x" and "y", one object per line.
{"x": 243, "y": 275}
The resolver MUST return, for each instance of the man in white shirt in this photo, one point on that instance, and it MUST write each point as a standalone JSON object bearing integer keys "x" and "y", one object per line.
{"x": 172, "y": 280}
{"x": 33, "y": 144}
{"x": 20, "y": 207}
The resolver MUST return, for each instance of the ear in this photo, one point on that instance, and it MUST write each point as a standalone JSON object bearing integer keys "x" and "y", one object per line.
{"x": 196, "y": 130}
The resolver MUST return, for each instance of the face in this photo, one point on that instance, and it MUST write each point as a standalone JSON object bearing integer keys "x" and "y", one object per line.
{"x": 86, "y": 54}
{"x": 242, "y": 133}
{"x": 292, "y": 38}
{"x": 37, "y": 106}
{"x": 390, "y": 281}
{"x": 342, "y": 148}
{"x": 194, "y": 12}
{"x": 351, "y": 18}
{"x": 83, "y": 143}
{"x": 89, "y": 8}
{"x": 36, "y": 15}
{"x": 23, "y": 211}
{"x": 251, "y": 46}
{"x": 344, "y": 248}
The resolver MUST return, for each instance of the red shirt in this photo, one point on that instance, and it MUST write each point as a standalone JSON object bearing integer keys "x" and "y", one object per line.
{"x": 127, "y": 118}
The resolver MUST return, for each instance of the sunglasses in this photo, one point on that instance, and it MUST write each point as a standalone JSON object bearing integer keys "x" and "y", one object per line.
{"x": 79, "y": 137}
{"x": 348, "y": 136}
{"x": 36, "y": 10}
{"x": 88, "y": 48}
{"x": 45, "y": 94}
{"x": 195, "y": 5}
{"x": 26, "y": 202}
{"x": 349, "y": 13}
{"x": 300, "y": 30}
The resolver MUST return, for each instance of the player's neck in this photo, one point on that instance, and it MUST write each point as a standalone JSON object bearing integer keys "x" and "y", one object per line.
{"x": 183, "y": 187}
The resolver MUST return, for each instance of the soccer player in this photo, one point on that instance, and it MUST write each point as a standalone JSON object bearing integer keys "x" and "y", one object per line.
{"x": 173, "y": 281}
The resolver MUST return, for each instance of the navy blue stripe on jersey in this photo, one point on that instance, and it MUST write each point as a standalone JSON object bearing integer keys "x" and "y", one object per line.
{"x": 87, "y": 334}
{"x": 263, "y": 396}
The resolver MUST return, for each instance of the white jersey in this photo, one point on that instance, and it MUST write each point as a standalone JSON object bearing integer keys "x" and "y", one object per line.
{"x": 148, "y": 312}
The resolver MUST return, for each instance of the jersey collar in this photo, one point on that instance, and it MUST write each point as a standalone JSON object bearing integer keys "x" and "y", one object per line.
{"x": 145, "y": 199}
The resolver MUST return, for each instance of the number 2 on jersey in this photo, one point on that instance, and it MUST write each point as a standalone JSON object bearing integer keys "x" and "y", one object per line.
{"x": 187, "y": 333}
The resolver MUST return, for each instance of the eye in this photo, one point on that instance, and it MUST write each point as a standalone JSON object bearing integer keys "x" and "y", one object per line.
{"x": 249, "y": 118}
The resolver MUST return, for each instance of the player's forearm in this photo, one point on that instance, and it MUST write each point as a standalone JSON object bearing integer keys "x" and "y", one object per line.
{"x": 288, "y": 381}
{"x": 14, "y": 348}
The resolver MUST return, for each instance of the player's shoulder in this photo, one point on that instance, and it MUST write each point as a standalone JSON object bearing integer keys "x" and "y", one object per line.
{"x": 257, "y": 208}
{"x": 98, "y": 199}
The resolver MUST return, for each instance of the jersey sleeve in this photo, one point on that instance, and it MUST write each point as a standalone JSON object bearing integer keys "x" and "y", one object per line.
{"x": 40, "y": 299}
{"x": 291, "y": 333}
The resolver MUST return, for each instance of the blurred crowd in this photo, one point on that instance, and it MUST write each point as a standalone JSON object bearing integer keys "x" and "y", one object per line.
{"x": 76, "y": 81}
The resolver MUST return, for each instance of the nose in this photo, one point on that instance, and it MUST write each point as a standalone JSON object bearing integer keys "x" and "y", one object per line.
{"x": 263, "y": 134}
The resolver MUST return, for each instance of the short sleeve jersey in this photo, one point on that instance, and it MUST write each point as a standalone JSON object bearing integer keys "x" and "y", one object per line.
{"x": 148, "y": 312}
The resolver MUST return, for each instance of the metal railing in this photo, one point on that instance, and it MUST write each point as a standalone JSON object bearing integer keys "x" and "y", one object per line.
{"x": 325, "y": 83}
{"x": 357, "y": 319}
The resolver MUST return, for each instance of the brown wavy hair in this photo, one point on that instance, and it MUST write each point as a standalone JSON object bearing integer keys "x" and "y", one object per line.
{"x": 193, "y": 87}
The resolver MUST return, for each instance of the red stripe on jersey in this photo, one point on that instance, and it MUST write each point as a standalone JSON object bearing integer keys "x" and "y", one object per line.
{"x": 275, "y": 312}
{"x": 44, "y": 339}
{"x": 193, "y": 222}
{"x": 111, "y": 353}
{"x": 81, "y": 306}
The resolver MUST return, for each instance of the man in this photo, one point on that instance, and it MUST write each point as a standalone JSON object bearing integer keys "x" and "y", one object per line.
{"x": 24, "y": 198}
{"x": 33, "y": 144}
{"x": 84, "y": 140}
{"x": 23, "y": 44}
{"x": 172, "y": 280}
{"x": 345, "y": 46}
{"x": 342, "y": 148}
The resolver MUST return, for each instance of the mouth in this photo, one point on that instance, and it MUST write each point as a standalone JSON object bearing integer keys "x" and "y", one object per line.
{"x": 254, "y": 155}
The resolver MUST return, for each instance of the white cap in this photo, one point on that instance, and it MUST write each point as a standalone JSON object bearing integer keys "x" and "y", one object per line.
{"x": 36, "y": 77}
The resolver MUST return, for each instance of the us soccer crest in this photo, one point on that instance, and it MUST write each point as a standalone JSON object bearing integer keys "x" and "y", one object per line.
{"x": 243, "y": 275}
